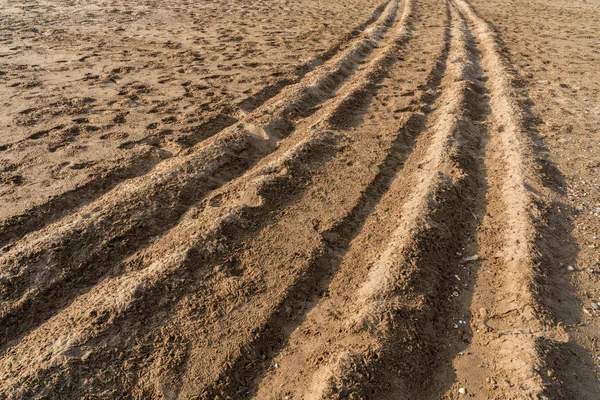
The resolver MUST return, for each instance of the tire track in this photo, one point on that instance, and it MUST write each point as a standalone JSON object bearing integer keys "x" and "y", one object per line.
{"x": 61, "y": 205}
{"x": 80, "y": 249}
{"x": 368, "y": 324}
{"x": 511, "y": 322}
{"x": 176, "y": 253}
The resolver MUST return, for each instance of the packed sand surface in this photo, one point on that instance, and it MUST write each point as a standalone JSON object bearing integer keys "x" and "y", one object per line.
{"x": 276, "y": 199}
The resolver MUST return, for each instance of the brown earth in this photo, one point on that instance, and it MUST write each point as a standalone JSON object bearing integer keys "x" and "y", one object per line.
{"x": 300, "y": 200}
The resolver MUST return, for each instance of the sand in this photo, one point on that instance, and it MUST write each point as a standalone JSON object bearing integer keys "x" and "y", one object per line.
{"x": 302, "y": 200}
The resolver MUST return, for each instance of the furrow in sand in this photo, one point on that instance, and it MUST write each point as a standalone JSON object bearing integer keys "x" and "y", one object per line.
{"x": 381, "y": 328}
{"x": 182, "y": 261}
{"x": 510, "y": 321}
{"x": 59, "y": 206}
{"x": 78, "y": 250}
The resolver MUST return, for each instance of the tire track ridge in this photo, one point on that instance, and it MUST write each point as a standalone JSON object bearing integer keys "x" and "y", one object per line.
{"x": 44, "y": 214}
{"x": 520, "y": 343}
{"x": 196, "y": 172}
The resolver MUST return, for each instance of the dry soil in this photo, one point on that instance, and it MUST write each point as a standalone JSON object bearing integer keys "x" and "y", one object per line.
{"x": 278, "y": 199}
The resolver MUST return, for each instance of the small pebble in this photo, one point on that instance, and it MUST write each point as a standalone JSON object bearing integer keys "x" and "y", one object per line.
{"x": 462, "y": 391}
{"x": 570, "y": 268}
{"x": 595, "y": 306}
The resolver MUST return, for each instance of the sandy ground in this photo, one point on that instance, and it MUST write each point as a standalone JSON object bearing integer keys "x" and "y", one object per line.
{"x": 300, "y": 200}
